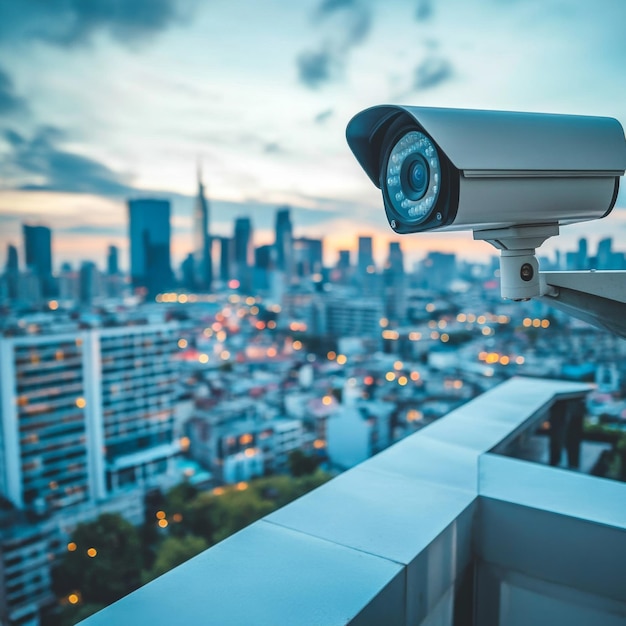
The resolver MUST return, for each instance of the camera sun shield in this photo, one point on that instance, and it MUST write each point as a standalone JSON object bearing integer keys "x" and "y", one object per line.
{"x": 459, "y": 169}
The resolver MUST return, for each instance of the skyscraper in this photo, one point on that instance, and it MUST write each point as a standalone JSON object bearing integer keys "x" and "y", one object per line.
{"x": 12, "y": 264}
{"x": 38, "y": 255}
{"x": 12, "y": 271}
{"x": 243, "y": 252}
{"x": 150, "y": 232}
{"x": 604, "y": 258}
{"x": 439, "y": 269}
{"x": 89, "y": 282}
{"x": 307, "y": 256}
{"x": 226, "y": 258}
{"x": 202, "y": 239}
{"x": 365, "y": 256}
{"x": 366, "y": 270}
{"x": 583, "y": 256}
{"x": 343, "y": 268}
{"x": 395, "y": 262}
{"x": 394, "y": 284}
{"x": 113, "y": 266}
{"x": 284, "y": 240}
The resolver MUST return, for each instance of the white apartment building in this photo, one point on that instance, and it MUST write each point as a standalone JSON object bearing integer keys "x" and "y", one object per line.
{"x": 86, "y": 424}
{"x": 85, "y": 414}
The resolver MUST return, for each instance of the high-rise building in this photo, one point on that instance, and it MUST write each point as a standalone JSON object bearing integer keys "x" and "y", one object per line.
{"x": 12, "y": 263}
{"x": 439, "y": 269}
{"x": 307, "y": 254}
{"x": 366, "y": 269}
{"x": 343, "y": 268}
{"x": 89, "y": 279}
{"x": 86, "y": 427}
{"x": 354, "y": 317}
{"x": 38, "y": 255}
{"x": 395, "y": 261}
{"x": 12, "y": 272}
{"x": 150, "y": 233}
{"x": 583, "y": 255}
{"x": 226, "y": 259}
{"x": 243, "y": 253}
{"x": 284, "y": 240}
{"x": 263, "y": 265}
{"x": 187, "y": 269}
{"x": 202, "y": 239}
{"x": 394, "y": 284}
{"x": 113, "y": 267}
{"x": 343, "y": 262}
{"x": 365, "y": 257}
{"x": 604, "y": 257}
{"x": 85, "y": 414}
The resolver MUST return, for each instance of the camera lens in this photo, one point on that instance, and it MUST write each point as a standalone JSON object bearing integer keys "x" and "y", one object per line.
{"x": 416, "y": 181}
{"x": 410, "y": 177}
{"x": 418, "y": 177}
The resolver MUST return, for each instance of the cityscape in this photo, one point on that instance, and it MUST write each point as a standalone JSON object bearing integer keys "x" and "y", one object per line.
{"x": 119, "y": 388}
{"x": 230, "y": 393}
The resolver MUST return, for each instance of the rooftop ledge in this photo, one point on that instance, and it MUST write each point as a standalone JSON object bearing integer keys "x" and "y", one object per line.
{"x": 439, "y": 529}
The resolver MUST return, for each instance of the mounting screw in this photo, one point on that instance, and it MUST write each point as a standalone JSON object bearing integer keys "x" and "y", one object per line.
{"x": 439, "y": 216}
{"x": 393, "y": 224}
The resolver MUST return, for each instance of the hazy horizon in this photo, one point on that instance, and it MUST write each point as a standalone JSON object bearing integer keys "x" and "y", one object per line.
{"x": 101, "y": 103}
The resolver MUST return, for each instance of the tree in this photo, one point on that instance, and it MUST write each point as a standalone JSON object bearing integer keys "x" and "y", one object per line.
{"x": 103, "y": 561}
{"x": 174, "y": 551}
{"x": 301, "y": 464}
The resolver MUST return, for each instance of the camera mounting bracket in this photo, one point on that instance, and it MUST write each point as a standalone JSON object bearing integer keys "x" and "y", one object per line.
{"x": 596, "y": 297}
{"x": 519, "y": 269}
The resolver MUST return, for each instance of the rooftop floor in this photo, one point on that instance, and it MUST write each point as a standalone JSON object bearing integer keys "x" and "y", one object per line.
{"x": 439, "y": 529}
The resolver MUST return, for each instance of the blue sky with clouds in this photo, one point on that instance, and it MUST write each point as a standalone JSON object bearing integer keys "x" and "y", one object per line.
{"x": 102, "y": 100}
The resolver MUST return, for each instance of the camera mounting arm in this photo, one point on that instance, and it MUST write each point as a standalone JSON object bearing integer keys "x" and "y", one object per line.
{"x": 519, "y": 270}
{"x": 596, "y": 297}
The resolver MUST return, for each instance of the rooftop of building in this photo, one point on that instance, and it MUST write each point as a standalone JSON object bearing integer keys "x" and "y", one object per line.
{"x": 441, "y": 528}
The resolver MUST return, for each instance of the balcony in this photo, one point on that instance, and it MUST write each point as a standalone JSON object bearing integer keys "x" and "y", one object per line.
{"x": 439, "y": 529}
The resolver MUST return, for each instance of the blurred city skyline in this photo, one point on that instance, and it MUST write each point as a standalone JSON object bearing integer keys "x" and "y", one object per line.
{"x": 99, "y": 105}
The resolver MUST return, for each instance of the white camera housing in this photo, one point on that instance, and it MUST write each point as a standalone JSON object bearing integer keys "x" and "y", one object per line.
{"x": 491, "y": 172}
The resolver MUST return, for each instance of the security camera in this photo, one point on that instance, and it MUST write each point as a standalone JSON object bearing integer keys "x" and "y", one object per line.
{"x": 512, "y": 178}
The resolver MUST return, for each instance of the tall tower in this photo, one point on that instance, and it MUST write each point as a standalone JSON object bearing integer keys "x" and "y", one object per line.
{"x": 150, "y": 234}
{"x": 366, "y": 270}
{"x": 365, "y": 256}
{"x": 12, "y": 270}
{"x": 284, "y": 240}
{"x": 38, "y": 255}
{"x": 12, "y": 263}
{"x": 243, "y": 253}
{"x": 202, "y": 238}
{"x": 394, "y": 286}
{"x": 583, "y": 256}
{"x": 113, "y": 267}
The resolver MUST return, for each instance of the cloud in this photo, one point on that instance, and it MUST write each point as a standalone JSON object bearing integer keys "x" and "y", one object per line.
{"x": 39, "y": 164}
{"x": 315, "y": 68}
{"x": 323, "y": 116}
{"x": 424, "y": 10}
{"x": 328, "y": 6}
{"x": 351, "y": 24}
{"x": 75, "y": 22}
{"x": 10, "y": 102}
{"x": 432, "y": 72}
{"x": 273, "y": 147}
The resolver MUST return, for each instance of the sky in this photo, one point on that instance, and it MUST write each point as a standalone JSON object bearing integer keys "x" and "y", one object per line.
{"x": 106, "y": 100}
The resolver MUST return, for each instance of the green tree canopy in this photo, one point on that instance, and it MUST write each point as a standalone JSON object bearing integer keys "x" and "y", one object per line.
{"x": 103, "y": 561}
{"x": 174, "y": 551}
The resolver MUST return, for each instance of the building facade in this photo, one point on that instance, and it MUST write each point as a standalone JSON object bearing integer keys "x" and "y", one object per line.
{"x": 150, "y": 234}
